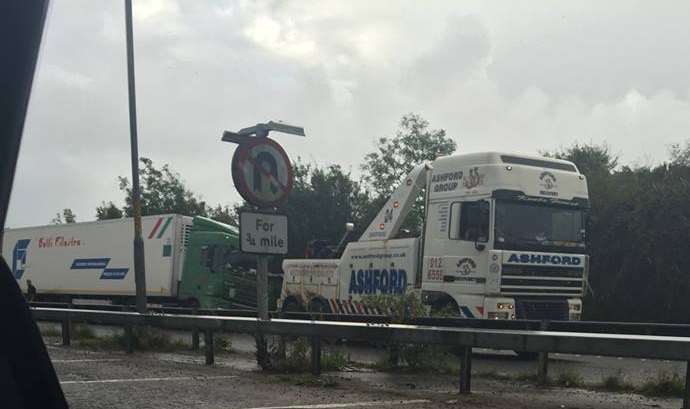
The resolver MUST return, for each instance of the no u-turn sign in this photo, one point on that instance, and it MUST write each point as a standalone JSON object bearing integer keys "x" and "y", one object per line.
{"x": 262, "y": 172}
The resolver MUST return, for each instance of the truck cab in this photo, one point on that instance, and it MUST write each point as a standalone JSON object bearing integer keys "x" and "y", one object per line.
{"x": 503, "y": 238}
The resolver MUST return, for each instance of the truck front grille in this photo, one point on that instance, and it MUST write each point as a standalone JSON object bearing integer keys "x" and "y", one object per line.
{"x": 542, "y": 280}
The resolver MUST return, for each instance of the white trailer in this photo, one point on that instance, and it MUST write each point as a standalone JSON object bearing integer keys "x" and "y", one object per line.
{"x": 95, "y": 259}
{"x": 503, "y": 238}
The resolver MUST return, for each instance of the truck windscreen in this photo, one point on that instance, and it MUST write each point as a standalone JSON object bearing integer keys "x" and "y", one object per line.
{"x": 529, "y": 226}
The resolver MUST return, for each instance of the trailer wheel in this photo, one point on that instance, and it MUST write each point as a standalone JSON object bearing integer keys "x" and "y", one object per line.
{"x": 291, "y": 305}
{"x": 319, "y": 306}
{"x": 191, "y": 303}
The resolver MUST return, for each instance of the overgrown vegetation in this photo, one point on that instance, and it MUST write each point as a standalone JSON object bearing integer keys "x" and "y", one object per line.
{"x": 569, "y": 379}
{"x": 82, "y": 332}
{"x": 412, "y": 357}
{"x": 51, "y": 332}
{"x": 309, "y": 380}
{"x": 222, "y": 344}
{"x": 664, "y": 385}
{"x": 297, "y": 358}
{"x": 638, "y": 232}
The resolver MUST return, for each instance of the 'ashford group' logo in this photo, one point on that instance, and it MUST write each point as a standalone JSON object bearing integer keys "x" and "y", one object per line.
{"x": 466, "y": 266}
{"x": 474, "y": 179}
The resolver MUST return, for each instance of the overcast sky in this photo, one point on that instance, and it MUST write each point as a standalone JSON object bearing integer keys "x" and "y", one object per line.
{"x": 520, "y": 76}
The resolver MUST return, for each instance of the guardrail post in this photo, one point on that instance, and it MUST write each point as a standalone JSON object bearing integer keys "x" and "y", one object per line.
{"x": 129, "y": 338}
{"x": 316, "y": 356}
{"x": 208, "y": 346}
{"x": 465, "y": 370}
{"x": 195, "y": 334}
{"x": 65, "y": 330}
{"x": 686, "y": 394}
{"x": 543, "y": 362}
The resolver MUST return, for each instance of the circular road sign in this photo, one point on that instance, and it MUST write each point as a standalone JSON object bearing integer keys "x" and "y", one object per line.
{"x": 262, "y": 172}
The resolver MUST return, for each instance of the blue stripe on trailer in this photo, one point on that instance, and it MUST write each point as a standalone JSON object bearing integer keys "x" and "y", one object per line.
{"x": 114, "y": 273}
{"x": 89, "y": 263}
{"x": 466, "y": 311}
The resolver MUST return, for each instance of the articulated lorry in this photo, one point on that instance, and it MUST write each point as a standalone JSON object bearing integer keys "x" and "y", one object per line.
{"x": 503, "y": 238}
{"x": 192, "y": 262}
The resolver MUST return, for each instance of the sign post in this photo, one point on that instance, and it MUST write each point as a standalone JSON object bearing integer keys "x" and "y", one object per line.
{"x": 262, "y": 174}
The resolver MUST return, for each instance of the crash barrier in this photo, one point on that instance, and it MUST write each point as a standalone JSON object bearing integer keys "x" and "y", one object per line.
{"x": 608, "y": 327}
{"x": 537, "y": 341}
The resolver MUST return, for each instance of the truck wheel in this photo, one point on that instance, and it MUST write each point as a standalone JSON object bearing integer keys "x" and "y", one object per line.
{"x": 290, "y": 305}
{"x": 319, "y": 306}
{"x": 192, "y": 303}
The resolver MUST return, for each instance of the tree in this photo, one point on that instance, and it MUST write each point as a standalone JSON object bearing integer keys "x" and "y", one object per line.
{"x": 162, "y": 191}
{"x": 413, "y": 144}
{"x": 108, "y": 211}
{"x": 639, "y": 224}
{"x": 591, "y": 160}
{"x": 394, "y": 158}
{"x": 321, "y": 202}
{"x": 67, "y": 216}
{"x": 224, "y": 214}
{"x": 680, "y": 155}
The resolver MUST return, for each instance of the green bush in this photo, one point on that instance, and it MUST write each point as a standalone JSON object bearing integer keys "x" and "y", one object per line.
{"x": 51, "y": 332}
{"x": 82, "y": 332}
{"x": 297, "y": 358}
{"x": 664, "y": 385}
{"x": 144, "y": 339}
{"x": 569, "y": 379}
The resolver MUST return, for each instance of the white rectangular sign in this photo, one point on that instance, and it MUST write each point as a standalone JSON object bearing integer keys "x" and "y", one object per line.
{"x": 263, "y": 233}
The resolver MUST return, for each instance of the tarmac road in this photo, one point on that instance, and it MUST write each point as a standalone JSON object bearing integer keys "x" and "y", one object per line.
{"x": 592, "y": 369}
{"x": 112, "y": 379}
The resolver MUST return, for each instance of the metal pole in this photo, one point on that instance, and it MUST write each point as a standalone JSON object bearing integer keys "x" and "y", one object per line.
{"x": 262, "y": 287}
{"x": 129, "y": 339}
{"x": 465, "y": 370}
{"x": 208, "y": 346}
{"x": 543, "y": 363}
{"x": 66, "y": 331}
{"x": 262, "y": 308}
{"x": 316, "y": 356}
{"x": 139, "y": 266}
{"x": 686, "y": 393}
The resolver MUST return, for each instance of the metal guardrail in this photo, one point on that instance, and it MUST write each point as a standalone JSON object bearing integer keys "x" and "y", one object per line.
{"x": 606, "y": 344}
{"x": 636, "y": 328}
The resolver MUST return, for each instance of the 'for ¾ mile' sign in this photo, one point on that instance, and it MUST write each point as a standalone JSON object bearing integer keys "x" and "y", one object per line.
{"x": 261, "y": 171}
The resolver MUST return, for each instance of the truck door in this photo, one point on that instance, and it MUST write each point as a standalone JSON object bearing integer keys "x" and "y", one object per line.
{"x": 456, "y": 265}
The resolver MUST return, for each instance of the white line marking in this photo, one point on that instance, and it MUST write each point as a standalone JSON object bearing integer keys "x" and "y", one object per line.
{"x": 177, "y": 378}
{"x": 70, "y": 361}
{"x": 349, "y": 405}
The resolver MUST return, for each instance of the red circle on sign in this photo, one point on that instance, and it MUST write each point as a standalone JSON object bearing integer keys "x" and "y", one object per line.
{"x": 243, "y": 155}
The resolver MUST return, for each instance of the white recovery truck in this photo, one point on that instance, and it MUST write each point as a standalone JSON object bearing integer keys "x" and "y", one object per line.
{"x": 503, "y": 238}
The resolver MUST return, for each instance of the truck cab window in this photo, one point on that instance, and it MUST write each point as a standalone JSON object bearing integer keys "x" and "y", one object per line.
{"x": 208, "y": 257}
{"x": 474, "y": 221}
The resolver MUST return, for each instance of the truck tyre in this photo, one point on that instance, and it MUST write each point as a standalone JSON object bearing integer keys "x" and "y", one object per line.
{"x": 317, "y": 305}
{"x": 291, "y": 305}
{"x": 192, "y": 303}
